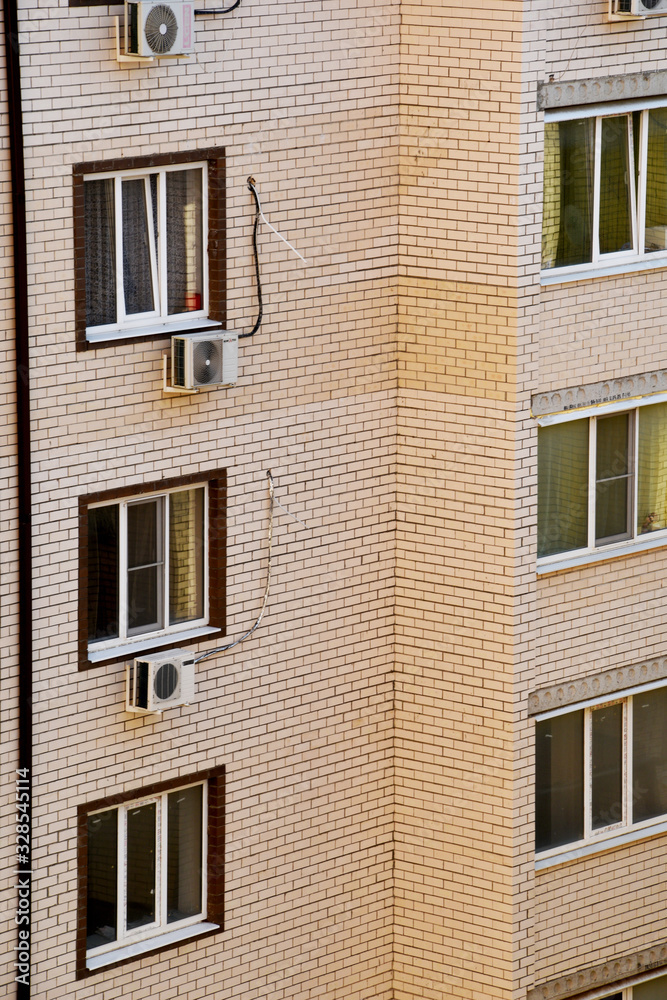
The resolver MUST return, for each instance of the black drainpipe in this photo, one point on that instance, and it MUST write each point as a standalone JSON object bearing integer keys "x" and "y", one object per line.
{"x": 23, "y": 870}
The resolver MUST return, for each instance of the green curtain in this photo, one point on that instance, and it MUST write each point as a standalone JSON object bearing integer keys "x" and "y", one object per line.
{"x": 615, "y": 180}
{"x": 654, "y": 989}
{"x": 652, "y": 469}
{"x": 186, "y": 550}
{"x": 656, "y": 182}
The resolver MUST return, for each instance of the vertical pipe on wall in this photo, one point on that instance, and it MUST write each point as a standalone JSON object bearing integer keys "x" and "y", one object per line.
{"x": 22, "y": 964}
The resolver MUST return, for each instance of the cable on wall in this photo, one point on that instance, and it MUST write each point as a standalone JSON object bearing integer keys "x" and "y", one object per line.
{"x": 219, "y": 10}
{"x": 258, "y": 214}
{"x": 230, "y": 645}
{"x": 23, "y": 776}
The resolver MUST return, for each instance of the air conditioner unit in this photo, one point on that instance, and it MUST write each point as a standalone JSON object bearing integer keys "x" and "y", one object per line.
{"x": 159, "y": 29}
{"x": 159, "y": 681}
{"x": 620, "y": 9}
{"x": 204, "y": 360}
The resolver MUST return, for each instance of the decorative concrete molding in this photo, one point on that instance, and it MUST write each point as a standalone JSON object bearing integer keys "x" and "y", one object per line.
{"x": 629, "y": 86}
{"x": 614, "y": 974}
{"x": 606, "y": 682}
{"x": 610, "y": 391}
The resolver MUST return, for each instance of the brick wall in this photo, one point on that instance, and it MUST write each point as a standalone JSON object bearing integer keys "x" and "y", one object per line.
{"x": 460, "y": 323}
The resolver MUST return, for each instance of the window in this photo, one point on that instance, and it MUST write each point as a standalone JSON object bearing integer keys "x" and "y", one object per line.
{"x": 605, "y": 188}
{"x": 149, "y": 249}
{"x": 602, "y": 480}
{"x": 650, "y": 989}
{"x": 151, "y": 566}
{"x": 150, "y": 869}
{"x": 601, "y": 769}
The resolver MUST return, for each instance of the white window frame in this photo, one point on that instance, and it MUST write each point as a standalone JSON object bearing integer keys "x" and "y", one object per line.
{"x": 160, "y": 926}
{"x": 625, "y": 830}
{"x": 97, "y": 646}
{"x": 627, "y": 993}
{"x": 626, "y": 766}
{"x": 157, "y": 318}
{"x": 622, "y": 261}
{"x": 604, "y": 550}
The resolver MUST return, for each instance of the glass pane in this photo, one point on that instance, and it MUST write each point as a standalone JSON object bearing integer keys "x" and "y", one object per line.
{"x": 568, "y": 192}
{"x": 607, "y": 766}
{"x": 562, "y": 494}
{"x": 141, "y": 827}
{"x": 656, "y": 181}
{"x": 145, "y": 565}
{"x": 615, "y": 180}
{"x": 612, "y": 497}
{"x": 137, "y": 275}
{"x": 102, "y": 572}
{"x": 184, "y": 853}
{"x": 102, "y": 878}
{"x": 185, "y": 271}
{"x": 649, "y": 755}
{"x": 652, "y": 468}
{"x": 143, "y": 532}
{"x": 611, "y": 457}
{"x": 611, "y": 511}
{"x": 654, "y": 989}
{"x": 186, "y": 555}
{"x": 559, "y": 780}
{"x": 100, "y": 252}
{"x": 154, "y": 203}
{"x": 144, "y": 599}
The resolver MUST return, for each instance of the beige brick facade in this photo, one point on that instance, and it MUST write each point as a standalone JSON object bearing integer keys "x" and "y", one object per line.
{"x": 375, "y": 729}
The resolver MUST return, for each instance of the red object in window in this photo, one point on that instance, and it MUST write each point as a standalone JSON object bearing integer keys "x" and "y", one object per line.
{"x": 193, "y": 301}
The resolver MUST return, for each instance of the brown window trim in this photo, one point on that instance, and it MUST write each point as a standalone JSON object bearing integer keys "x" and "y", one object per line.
{"x": 217, "y": 243}
{"x": 215, "y": 861}
{"x": 217, "y": 561}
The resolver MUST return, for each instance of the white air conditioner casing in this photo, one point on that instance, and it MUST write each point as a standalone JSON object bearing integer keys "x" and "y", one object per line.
{"x": 204, "y": 360}
{"x": 161, "y": 680}
{"x": 157, "y": 30}
{"x": 621, "y": 9}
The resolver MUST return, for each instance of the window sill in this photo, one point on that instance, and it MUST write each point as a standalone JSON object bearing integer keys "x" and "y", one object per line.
{"x": 128, "y": 650}
{"x": 553, "y": 564}
{"x": 128, "y": 951}
{"x": 562, "y": 275}
{"x": 153, "y": 330}
{"x": 564, "y": 854}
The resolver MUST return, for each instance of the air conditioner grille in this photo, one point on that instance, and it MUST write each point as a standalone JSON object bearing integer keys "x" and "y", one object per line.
{"x": 179, "y": 361}
{"x": 206, "y": 361}
{"x": 649, "y": 4}
{"x": 161, "y": 28}
{"x": 166, "y": 681}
